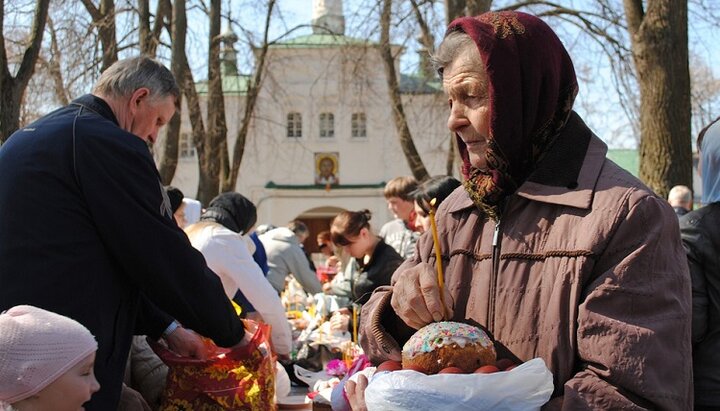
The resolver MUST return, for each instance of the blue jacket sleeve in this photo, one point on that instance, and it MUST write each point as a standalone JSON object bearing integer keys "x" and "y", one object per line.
{"x": 125, "y": 198}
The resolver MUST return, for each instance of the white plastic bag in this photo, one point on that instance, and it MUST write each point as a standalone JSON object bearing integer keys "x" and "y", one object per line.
{"x": 309, "y": 377}
{"x": 282, "y": 381}
{"x": 527, "y": 387}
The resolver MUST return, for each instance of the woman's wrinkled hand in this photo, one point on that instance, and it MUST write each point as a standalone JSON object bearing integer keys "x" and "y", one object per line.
{"x": 356, "y": 393}
{"x": 416, "y": 297}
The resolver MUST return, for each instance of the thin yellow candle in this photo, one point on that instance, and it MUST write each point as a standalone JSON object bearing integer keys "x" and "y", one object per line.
{"x": 438, "y": 255}
{"x": 355, "y": 323}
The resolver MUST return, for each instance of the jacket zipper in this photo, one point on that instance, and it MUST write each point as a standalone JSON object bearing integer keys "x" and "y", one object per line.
{"x": 493, "y": 278}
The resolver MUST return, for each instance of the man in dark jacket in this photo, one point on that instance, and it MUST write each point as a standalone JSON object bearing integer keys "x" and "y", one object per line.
{"x": 87, "y": 229}
{"x": 700, "y": 230}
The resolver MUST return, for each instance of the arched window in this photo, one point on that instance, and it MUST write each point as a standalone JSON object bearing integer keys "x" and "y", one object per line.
{"x": 294, "y": 124}
{"x": 358, "y": 125}
{"x": 327, "y": 125}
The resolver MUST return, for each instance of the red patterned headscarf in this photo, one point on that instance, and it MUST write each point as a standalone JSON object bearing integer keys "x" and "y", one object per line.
{"x": 531, "y": 89}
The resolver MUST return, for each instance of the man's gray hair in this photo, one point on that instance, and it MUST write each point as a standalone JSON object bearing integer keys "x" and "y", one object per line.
{"x": 125, "y": 76}
{"x": 454, "y": 44}
{"x": 299, "y": 228}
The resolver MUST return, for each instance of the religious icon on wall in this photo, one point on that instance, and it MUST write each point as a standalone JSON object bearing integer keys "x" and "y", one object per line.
{"x": 326, "y": 169}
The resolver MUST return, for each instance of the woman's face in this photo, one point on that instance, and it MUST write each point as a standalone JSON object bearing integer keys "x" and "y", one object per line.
{"x": 359, "y": 246}
{"x": 422, "y": 220}
{"x": 466, "y": 85}
{"x": 70, "y": 391}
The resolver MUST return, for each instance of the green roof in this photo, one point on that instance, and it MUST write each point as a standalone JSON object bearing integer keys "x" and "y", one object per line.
{"x": 232, "y": 85}
{"x": 322, "y": 40}
{"x": 414, "y": 84}
{"x": 626, "y": 158}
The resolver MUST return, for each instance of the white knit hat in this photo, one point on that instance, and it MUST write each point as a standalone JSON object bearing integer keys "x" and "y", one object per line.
{"x": 36, "y": 348}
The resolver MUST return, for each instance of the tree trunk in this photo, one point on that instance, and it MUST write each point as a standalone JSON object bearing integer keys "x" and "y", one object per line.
{"x": 13, "y": 88}
{"x": 169, "y": 159}
{"x": 106, "y": 32}
{"x": 150, "y": 37}
{"x": 144, "y": 25}
{"x": 427, "y": 40}
{"x": 216, "y": 151}
{"x": 54, "y": 66}
{"x": 664, "y": 82}
{"x": 104, "y": 19}
{"x": 417, "y": 168}
{"x": 477, "y": 7}
{"x": 250, "y": 102}
{"x": 454, "y": 9}
{"x": 198, "y": 131}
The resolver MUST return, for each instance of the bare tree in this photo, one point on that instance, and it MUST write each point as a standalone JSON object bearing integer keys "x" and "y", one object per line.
{"x": 150, "y": 37}
{"x": 216, "y": 165}
{"x": 656, "y": 33}
{"x": 250, "y": 102}
{"x": 53, "y": 66}
{"x": 178, "y": 66}
{"x": 417, "y": 168}
{"x": 103, "y": 17}
{"x": 12, "y": 87}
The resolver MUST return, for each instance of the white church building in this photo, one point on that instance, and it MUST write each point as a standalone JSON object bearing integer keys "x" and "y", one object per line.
{"x": 323, "y": 138}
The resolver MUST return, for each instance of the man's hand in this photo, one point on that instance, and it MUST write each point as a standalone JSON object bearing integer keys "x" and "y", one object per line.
{"x": 356, "y": 393}
{"x": 186, "y": 343}
{"x": 416, "y": 297}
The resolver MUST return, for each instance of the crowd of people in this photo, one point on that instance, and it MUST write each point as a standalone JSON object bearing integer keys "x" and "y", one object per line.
{"x": 550, "y": 247}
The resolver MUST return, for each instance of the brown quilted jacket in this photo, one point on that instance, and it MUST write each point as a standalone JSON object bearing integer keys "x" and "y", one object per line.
{"x": 590, "y": 277}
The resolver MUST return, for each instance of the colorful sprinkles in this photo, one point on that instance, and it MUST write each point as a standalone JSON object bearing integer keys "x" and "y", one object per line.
{"x": 443, "y": 333}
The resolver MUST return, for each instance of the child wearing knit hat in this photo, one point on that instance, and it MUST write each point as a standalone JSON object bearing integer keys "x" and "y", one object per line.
{"x": 46, "y": 361}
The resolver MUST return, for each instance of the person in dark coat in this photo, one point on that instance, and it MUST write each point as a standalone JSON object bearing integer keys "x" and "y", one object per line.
{"x": 88, "y": 232}
{"x": 700, "y": 231}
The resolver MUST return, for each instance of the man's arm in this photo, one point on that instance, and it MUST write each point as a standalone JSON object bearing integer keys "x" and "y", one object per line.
{"x": 151, "y": 320}
{"x": 124, "y": 197}
{"x": 300, "y": 268}
{"x": 633, "y": 334}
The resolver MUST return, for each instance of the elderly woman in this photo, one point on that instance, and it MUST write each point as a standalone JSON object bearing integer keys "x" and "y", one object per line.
{"x": 556, "y": 250}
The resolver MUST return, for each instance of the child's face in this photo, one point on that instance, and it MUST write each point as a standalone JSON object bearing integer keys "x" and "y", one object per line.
{"x": 72, "y": 389}
{"x": 400, "y": 208}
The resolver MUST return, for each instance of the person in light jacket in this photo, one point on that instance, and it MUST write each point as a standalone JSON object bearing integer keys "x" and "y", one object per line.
{"x": 286, "y": 256}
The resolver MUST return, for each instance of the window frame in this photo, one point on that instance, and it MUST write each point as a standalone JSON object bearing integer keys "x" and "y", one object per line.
{"x": 293, "y": 124}
{"x": 326, "y": 125}
{"x": 358, "y": 123}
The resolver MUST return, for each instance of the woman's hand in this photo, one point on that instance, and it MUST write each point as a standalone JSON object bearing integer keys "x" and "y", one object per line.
{"x": 416, "y": 297}
{"x": 356, "y": 393}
